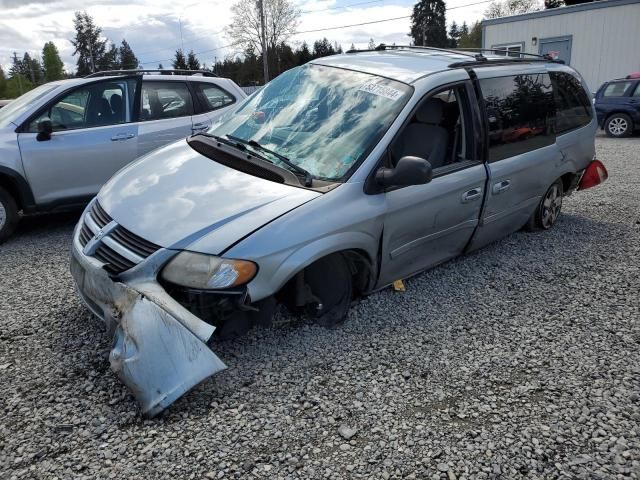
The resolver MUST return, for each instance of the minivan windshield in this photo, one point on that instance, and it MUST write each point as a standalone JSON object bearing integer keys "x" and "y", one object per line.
{"x": 18, "y": 106}
{"x": 322, "y": 119}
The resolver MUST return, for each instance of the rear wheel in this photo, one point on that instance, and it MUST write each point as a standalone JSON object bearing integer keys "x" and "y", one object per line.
{"x": 330, "y": 281}
{"x": 548, "y": 210}
{"x": 8, "y": 214}
{"x": 619, "y": 125}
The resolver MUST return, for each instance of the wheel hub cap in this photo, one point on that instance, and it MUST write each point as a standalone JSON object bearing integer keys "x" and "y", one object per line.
{"x": 551, "y": 207}
{"x": 618, "y": 126}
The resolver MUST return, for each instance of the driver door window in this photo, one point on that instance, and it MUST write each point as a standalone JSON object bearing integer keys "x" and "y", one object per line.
{"x": 93, "y": 105}
{"x": 438, "y": 131}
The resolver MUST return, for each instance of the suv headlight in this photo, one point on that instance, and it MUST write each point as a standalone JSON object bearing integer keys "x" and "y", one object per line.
{"x": 207, "y": 272}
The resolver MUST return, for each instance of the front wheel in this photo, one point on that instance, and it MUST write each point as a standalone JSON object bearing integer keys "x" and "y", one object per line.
{"x": 618, "y": 125}
{"x": 548, "y": 210}
{"x": 8, "y": 214}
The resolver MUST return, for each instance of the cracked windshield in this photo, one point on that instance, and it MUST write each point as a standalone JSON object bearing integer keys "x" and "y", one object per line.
{"x": 322, "y": 119}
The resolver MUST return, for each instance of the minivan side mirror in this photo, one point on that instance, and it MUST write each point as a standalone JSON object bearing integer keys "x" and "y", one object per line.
{"x": 45, "y": 129}
{"x": 408, "y": 171}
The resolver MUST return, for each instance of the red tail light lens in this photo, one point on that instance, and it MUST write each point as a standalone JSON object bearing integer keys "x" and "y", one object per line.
{"x": 594, "y": 174}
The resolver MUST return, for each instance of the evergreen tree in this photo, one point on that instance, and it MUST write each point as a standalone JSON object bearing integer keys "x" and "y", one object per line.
{"x": 109, "y": 61}
{"x": 16, "y": 66}
{"x": 179, "y": 62}
{"x": 454, "y": 34}
{"x": 3, "y": 83}
{"x": 192, "y": 61}
{"x": 53, "y": 66}
{"x": 36, "y": 73}
{"x": 464, "y": 29}
{"x": 160, "y": 67}
{"x": 304, "y": 54}
{"x": 428, "y": 24}
{"x": 127, "y": 58}
{"x": 88, "y": 44}
{"x": 372, "y": 44}
{"x": 473, "y": 39}
{"x": 322, "y": 48}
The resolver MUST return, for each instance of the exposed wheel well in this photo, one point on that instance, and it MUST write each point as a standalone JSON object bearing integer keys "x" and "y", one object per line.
{"x": 569, "y": 182}
{"x": 11, "y": 186}
{"x": 362, "y": 275}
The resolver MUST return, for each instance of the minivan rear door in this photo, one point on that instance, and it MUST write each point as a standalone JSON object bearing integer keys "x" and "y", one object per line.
{"x": 522, "y": 154}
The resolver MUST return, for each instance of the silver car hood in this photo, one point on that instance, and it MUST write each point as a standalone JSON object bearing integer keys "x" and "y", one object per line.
{"x": 175, "y": 197}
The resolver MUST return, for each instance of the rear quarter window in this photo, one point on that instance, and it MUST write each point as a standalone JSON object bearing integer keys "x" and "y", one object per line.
{"x": 573, "y": 108}
{"x": 520, "y": 113}
{"x": 616, "y": 89}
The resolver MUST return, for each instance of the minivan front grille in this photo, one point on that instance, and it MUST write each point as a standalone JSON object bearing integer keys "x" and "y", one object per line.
{"x": 120, "y": 249}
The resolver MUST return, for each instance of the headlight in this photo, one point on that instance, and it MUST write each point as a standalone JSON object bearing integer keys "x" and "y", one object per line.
{"x": 206, "y": 272}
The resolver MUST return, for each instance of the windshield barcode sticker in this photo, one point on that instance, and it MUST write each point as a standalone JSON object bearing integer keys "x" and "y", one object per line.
{"x": 381, "y": 90}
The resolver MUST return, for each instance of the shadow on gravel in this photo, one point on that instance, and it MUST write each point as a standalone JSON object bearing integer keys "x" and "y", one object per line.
{"x": 264, "y": 350}
{"x": 46, "y": 223}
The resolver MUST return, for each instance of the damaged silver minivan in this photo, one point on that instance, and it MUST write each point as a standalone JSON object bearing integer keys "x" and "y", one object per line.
{"x": 336, "y": 179}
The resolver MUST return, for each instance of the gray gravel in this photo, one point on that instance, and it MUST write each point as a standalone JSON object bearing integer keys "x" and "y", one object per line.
{"x": 520, "y": 360}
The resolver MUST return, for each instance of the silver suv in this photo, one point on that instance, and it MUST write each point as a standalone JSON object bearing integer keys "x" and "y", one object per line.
{"x": 336, "y": 179}
{"x": 60, "y": 142}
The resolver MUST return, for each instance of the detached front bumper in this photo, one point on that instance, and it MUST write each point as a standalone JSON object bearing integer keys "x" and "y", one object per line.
{"x": 159, "y": 348}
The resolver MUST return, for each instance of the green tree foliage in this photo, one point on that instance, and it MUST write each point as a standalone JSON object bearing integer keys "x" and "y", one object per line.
{"x": 454, "y": 34}
{"x": 192, "y": 61}
{"x": 428, "y": 24}
{"x": 3, "y": 84}
{"x": 247, "y": 70}
{"x": 126, "y": 57}
{"x": 52, "y": 65}
{"x": 472, "y": 38}
{"x": 180, "y": 61}
{"x": 109, "y": 61}
{"x": 88, "y": 44}
{"x": 17, "y": 85}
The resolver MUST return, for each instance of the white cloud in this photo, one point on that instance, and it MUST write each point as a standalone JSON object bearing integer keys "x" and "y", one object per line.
{"x": 152, "y": 27}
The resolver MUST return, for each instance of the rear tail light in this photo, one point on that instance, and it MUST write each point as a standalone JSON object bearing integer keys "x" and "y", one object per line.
{"x": 593, "y": 175}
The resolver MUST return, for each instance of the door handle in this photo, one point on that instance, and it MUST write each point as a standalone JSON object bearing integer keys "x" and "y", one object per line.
{"x": 122, "y": 136}
{"x": 471, "y": 195}
{"x": 500, "y": 187}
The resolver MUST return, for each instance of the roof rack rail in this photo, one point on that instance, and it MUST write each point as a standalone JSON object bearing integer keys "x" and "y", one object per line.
{"x": 383, "y": 47}
{"x": 546, "y": 56}
{"x": 158, "y": 71}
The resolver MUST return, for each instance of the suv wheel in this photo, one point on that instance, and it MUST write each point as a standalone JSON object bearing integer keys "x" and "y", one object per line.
{"x": 8, "y": 214}
{"x": 619, "y": 125}
{"x": 548, "y": 210}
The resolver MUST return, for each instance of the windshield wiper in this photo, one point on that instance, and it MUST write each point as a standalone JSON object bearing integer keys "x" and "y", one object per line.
{"x": 308, "y": 178}
{"x": 238, "y": 145}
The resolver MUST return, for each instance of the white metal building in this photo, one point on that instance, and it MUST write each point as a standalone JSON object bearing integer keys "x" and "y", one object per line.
{"x": 600, "y": 39}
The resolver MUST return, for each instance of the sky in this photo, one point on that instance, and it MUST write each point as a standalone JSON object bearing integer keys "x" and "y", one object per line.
{"x": 152, "y": 27}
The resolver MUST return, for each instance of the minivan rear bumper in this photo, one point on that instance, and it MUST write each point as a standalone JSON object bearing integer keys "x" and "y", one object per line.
{"x": 159, "y": 348}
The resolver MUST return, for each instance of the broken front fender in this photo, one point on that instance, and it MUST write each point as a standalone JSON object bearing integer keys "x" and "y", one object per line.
{"x": 159, "y": 349}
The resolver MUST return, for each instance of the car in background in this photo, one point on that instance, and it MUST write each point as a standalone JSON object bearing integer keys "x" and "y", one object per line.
{"x": 617, "y": 104}
{"x": 60, "y": 142}
{"x": 4, "y": 103}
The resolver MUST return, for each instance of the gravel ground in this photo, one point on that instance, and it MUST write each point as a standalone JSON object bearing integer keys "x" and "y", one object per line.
{"x": 520, "y": 360}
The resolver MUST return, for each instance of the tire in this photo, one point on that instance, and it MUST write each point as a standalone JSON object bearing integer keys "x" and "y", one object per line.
{"x": 548, "y": 210}
{"x": 330, "y": 281}
{"x": 8, "y": 215}
{"x": 618, "y": 125}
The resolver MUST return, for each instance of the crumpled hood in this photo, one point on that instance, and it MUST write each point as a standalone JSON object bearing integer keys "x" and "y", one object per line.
{"x": 175, "y": 196}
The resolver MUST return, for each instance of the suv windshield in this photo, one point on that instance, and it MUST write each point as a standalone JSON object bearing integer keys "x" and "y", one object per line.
{"x": 18, "y": 106}
{"x": 322, "y": 119}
